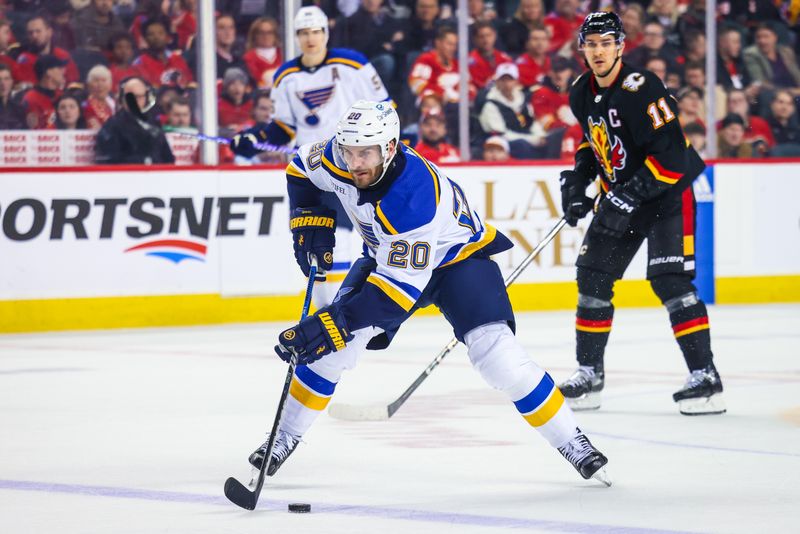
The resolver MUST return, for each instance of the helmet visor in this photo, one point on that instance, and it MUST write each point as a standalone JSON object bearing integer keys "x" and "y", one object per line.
{"x": 361, "y": 158}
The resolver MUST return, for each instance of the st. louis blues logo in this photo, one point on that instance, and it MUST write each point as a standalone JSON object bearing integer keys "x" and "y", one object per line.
{"x": 313, "y": 100}
{"x": 610, "y": 155}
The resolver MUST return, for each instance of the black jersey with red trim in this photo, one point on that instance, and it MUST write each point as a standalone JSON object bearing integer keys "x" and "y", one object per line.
{"x": 632, "y": 136}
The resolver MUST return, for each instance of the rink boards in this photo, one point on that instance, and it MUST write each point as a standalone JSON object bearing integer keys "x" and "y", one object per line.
{"x": 89, "y": 248}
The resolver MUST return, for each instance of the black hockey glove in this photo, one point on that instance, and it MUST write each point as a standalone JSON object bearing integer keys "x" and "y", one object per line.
{"x": 244, "y": 143}
{"x": 615, "y": 212}
{"x": 313, "y": 232}
{"x": 574, "y": 202}
{"x": 314, "y": 337}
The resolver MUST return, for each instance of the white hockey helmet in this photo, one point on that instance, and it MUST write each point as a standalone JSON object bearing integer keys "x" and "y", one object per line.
{"x": 371, "y": 123}
{"x": 311, "y": 17}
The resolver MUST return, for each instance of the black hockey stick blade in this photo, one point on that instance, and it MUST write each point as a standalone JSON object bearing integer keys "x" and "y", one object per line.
{"x": 239, "y": 495}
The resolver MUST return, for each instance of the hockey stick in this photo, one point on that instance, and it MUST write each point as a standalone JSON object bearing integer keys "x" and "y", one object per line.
{"x": 235, "y": 491}
{"x": 266, "y": 147}
{"x": 382, "y": 412}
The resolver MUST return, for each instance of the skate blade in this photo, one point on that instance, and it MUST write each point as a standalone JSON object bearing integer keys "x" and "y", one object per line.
{"x": 587, "y": 401}
{"x": 602, "y": 475}
{"x": 712, "y": 405}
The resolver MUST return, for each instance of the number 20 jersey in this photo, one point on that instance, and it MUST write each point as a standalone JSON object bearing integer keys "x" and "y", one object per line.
{"x": 631, "y": 128}
{"x": 418, "y": 221}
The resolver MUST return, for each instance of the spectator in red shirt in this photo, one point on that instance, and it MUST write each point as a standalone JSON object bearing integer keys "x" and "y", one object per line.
{"x": 184, "y": 23}
{"x": 121, "y": 50}
{"x": 756, "y": 130}
{"x": 633, "y": 23}
{"x": 437, "y": 70}
{"x": 551, "y": 99}
{"x": 99, "y": 106}
{"x": 12, "y": 115}
{"x": 157, "y": 65}
{"x": 485, "y": 58}
{"x": 7, "y": 47}
{"x": 432, "y": 145}
{"x": 40, "y": 35}
{"x": 529, "y": 15}
{"x": 263, "y": 55}
{"x": 234, "y": 105}
{"x": 39, "y": 102}
{"x": 68, "y": 113}
{"x": 563, "y": 23}
{"x": 534, "y": 64}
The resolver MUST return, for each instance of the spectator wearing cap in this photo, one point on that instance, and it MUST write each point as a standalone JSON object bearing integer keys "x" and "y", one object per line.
{"x": 535, "y": 62}
{"x": 772, "y": 65}
{"x": 128, "y": 137}
{"x": 40, "y": 35}
{"x": 484, "y": 58}
{"x": 550, "y": 99}
{"x": 731, "y": 143}
{"x": 782, "y": 119}
{"x": 433, "y": 132}
{"x": 263, "y": 54}
{"x": 95, "y": 24}
{"x": 529, "y": 15}
{"x": 563, "y": 23}
{"x": 509, "y": 114}
{"x": 40, "y": 111}
{"x": 227, "y": 55}
{"x": 122, "y": 53}
{"x": 756, "y": 130}
{"x": 68, "y": 113}
{"x": 428, "y": 101}
{"x": 158, "y": 65}
{"x": 99, "y": 105}
{"x": 12, "y": 115}
{"x": 235, "y": 105}
{"x": 495, "y": 148}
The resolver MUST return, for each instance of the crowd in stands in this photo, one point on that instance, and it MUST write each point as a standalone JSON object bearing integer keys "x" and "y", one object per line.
{"x": 62, "y": 63}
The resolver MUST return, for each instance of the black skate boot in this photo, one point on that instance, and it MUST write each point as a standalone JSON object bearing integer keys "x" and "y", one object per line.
{"x": 585, "y": 458}
{"x": 582, "y": 389}
{"x": 285, "y": 445}
{"x": 702, "y": 393}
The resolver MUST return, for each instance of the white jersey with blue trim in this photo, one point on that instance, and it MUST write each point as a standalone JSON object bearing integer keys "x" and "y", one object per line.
{"x": 422, "y": 222}
{"x": 309, "y": 102}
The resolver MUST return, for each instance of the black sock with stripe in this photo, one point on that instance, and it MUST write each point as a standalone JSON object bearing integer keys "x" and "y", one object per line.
{"x": 693, "y": 334}
{"x": 592, "y": 327}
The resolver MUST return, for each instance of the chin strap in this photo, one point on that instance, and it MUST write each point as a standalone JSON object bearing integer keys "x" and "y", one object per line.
{"x": 616, "y": 59}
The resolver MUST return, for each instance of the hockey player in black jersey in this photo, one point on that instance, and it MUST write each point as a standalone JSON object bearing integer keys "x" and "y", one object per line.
{"x": 634, "y": 142}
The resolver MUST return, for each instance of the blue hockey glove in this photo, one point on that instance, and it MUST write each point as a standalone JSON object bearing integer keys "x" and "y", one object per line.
{"x": 314, "y": 337}
{"x": 574, "y": 202}
{"x": 614, "y": 214}
{"x": 313, "y": 232}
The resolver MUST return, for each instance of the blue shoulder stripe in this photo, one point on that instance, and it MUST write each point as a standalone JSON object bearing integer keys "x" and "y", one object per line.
{"x": 343, "y": 175}
{"x": 412, "y": 200}
{"x": 349, "y": 57}
{"x": 287, "y": 68}
{"x": 298, "y": 161}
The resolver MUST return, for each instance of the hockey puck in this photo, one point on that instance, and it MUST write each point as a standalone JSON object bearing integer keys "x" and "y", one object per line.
{"x": 300, "y": 508}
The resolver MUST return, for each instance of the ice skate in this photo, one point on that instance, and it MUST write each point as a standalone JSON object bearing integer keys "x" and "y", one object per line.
{"x": 285, "y": 445}
{"x": 582, "y": 389}
{"x": 702, "y": 393}
{"x": 589, "y": 462}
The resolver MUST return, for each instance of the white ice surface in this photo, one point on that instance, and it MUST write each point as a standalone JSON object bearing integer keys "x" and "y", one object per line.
{"x": 136, "y": 431}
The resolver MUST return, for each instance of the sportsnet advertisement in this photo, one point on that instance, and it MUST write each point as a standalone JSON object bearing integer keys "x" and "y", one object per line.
{"x": 126, "y": 233}
{"x": 96, "y": 234}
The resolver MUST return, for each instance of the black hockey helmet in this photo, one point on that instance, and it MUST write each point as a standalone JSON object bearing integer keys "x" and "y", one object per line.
{"x": 602, "y": 22}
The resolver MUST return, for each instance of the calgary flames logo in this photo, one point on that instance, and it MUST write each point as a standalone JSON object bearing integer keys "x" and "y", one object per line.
{"x": 611, "y": 156}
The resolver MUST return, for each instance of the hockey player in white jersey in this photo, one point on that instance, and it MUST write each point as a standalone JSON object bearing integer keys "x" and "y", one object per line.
{"x": 423, "y": 244}
{"x": 311, "y": 93}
